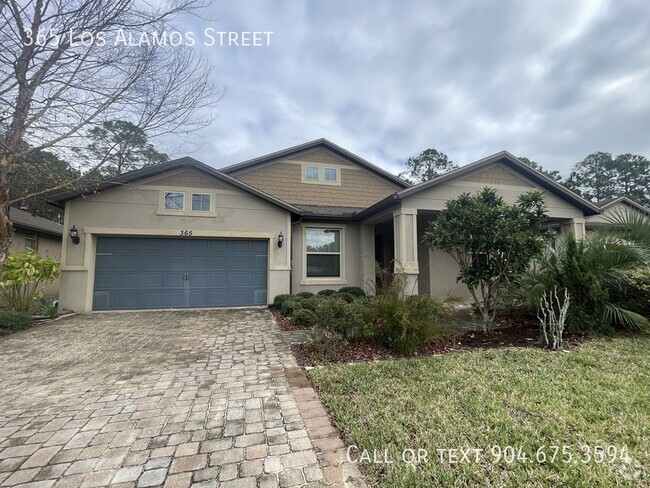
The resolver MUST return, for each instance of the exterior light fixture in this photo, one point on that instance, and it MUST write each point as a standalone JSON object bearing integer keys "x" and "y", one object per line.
{"x": 280, "y": 239}
{"x": 74, "y": 235}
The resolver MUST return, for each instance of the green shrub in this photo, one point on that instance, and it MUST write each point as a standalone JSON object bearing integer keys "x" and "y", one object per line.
{"x": 328, "y": 292}
{"x": 303, "y": 316}
{"x": 405, "y": 325}
{"x": 49, "y": 307}
{"x": 279, "y": 300}
{"x": 324, "y": 344}
{"x": 353, "y": 290}
{"x": 348, "y": 297}
{"x": 290, "y": 306}
{"x": 350, "y": 320}
{"x": 14, "y": 320}
{"x": 24, "y": 276}
{"x": 636, "y": 295}
{"x": 312, "y": 303}
{"x": 305, "y": 294}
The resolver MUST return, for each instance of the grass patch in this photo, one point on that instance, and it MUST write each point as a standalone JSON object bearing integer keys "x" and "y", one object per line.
{"x": 597, "y": 395}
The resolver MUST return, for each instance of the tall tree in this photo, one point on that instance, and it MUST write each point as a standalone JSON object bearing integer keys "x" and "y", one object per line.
{"x": 554, "y": 175}
{"x": 600, "y": 176}
{"x": 63, "y": 68}
{"x": 593, "y": 177}
{"x": 124, "y": 146}
{"x": 39, "y": 171}
{"x": 429, "y": 164}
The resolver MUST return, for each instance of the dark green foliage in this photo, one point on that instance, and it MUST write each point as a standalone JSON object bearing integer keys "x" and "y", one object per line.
{"x": 353, "y": 290}
{"x": 312, "y": 303}
{"x": 404, "y": 325}
{"x": 554, "y": 174}
{"x": 426, "y": 166}
{"x": 326, "y": 292}
{"x": 49, "y": 307}
{"x": 348, "y": 297}
{"x": 302, "y": 316}
{"x": 492, "y": 242}
{"x": 350, "y": 320}
{"x": 305, "y": 294}
{"x": 635, "y": 296}
{"x": 290, "y": 306}
{"x": 14, "y": 321}
{"x": 594, "y": 271}
{"x": 279, "y": 300}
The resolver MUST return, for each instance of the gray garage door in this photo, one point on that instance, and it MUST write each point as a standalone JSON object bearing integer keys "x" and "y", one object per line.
{"x": 143, "y": 272}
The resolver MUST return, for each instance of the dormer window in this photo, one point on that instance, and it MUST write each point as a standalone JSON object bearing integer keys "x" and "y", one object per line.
{"x": 311, "y": 173}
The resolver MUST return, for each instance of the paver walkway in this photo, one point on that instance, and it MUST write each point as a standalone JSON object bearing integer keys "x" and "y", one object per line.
{"x": 175, "y": 398}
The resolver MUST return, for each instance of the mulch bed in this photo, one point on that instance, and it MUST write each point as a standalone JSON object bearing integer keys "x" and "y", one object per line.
{"x": 509, "y": 333}
{"x": 284, "y": 322}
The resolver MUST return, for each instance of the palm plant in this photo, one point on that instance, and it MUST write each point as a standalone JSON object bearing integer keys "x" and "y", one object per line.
{"x": 592, "y": 271}
{"x": 634, "y": 227}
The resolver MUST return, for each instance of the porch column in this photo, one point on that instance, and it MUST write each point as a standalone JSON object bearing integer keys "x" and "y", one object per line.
{"x": 367, "y": 257}
{"x": 405, "y": 224}
{"x": 576, "y": 227}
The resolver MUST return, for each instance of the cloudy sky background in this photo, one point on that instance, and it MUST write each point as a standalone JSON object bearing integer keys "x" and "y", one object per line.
{"x": 550, "y": 80}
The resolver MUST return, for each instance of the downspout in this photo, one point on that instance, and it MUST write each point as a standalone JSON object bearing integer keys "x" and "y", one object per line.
{"x": 297, "y": 222}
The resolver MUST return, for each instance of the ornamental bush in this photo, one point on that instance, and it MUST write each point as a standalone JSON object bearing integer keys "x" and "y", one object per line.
{"x": 24, "y": 277}
{"x": 305, "y": 294}
{"x": 291, "y": 305}
{"x": 280, "y": 299}
{"x": 327, "y": 292}
{"x": 14, "y": 321}
{"x": 348, "y": 297}
{"x": 350, "y": 320}
{"x": 302, "y": 316}
{"x": 355, "y": 291}
{"x": 312, "y": 303}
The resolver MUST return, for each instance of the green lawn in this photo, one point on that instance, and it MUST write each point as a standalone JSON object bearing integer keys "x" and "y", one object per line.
{"x": 596, "y": 395}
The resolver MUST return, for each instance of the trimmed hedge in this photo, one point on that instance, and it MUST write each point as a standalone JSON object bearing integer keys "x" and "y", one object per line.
{"x": 304, "y": 317}
{"x": 279, "y": 300}
{"x": 353, "y": 290}
{"x": 11, "y": 320}
{"x": 326, "y": 292}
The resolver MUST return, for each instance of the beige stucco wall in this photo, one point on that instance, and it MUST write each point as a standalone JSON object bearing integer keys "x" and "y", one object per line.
{"x": 47, "y": 246}
{"x": 358, "y": 262}
{"x": 440, "y": 269}
{"x": 613, "y": 211}
{"x": 358, "y": 187}
{"x": 135, "y": 210}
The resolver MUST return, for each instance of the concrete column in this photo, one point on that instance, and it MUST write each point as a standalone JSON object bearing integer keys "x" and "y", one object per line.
{"x": 406, "y": 247}
{"x": 367, "y": 258}
{"x": 576, "y": 227}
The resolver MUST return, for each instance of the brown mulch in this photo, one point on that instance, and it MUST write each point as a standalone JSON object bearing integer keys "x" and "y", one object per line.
{"x": 285, "y": 322}
{"x": 509, "y": 333}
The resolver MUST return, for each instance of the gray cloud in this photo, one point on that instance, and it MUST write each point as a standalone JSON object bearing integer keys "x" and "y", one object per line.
{"x": 552, "y": 81}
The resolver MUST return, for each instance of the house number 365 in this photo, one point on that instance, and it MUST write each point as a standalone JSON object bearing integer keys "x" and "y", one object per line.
{"x": 186, "y": 233}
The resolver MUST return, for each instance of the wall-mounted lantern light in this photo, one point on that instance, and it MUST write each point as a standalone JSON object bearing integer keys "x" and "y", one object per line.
{"x": 280, "y": 239}
{"x": 74, "y": 235}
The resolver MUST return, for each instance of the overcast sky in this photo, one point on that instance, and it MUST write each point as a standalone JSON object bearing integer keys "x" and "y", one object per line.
{"x": 550, "y": 80}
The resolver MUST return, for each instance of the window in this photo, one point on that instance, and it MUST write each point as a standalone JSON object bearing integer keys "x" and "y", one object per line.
{"x": 174, "y": 200}
{"x": 311, "y": 173}
{"x": 323, "y": 249}
{"x": 201, "y": 202}
{"x": 31, "y": 243}
{"x": 330, "y": 174}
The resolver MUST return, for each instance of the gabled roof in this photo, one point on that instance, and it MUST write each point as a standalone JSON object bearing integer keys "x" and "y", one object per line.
{"x": 608, "y": 202}
{"x": 59, "y": 199}
{"x": 503, "y": 157}
{"x": 26, "y": 221}
{"x": 316, "y": 144}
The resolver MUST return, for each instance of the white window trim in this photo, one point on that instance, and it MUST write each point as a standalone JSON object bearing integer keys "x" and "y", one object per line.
{"x": 187, "y": 207}
{"x": 192, "y": 202}
{"x": 321, "y": 173}
{"x": 340, "y": 280}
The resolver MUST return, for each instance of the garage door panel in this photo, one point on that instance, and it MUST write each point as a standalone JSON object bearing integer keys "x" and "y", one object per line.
{"x": 144, "y": 272}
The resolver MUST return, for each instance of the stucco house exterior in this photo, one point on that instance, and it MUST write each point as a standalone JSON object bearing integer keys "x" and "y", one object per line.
{"x": 39, "y": 234}
{"x": 310, "y": 217}
{"x": 614, "y": 209}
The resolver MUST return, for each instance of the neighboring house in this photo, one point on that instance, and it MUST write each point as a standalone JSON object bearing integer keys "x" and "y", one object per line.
{"x": 39, "y": 234}
{"x": 314, "y": 216}
{"x": 615, "y": 208}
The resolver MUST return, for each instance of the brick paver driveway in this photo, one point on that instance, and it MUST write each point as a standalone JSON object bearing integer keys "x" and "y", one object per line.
{"x": 201, "y": 398}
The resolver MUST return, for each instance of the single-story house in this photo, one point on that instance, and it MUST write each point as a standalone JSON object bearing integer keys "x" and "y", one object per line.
{"x": 613, "y": 209}
{"x": 310, "y": 217}
{"x": 39, "y": 234}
